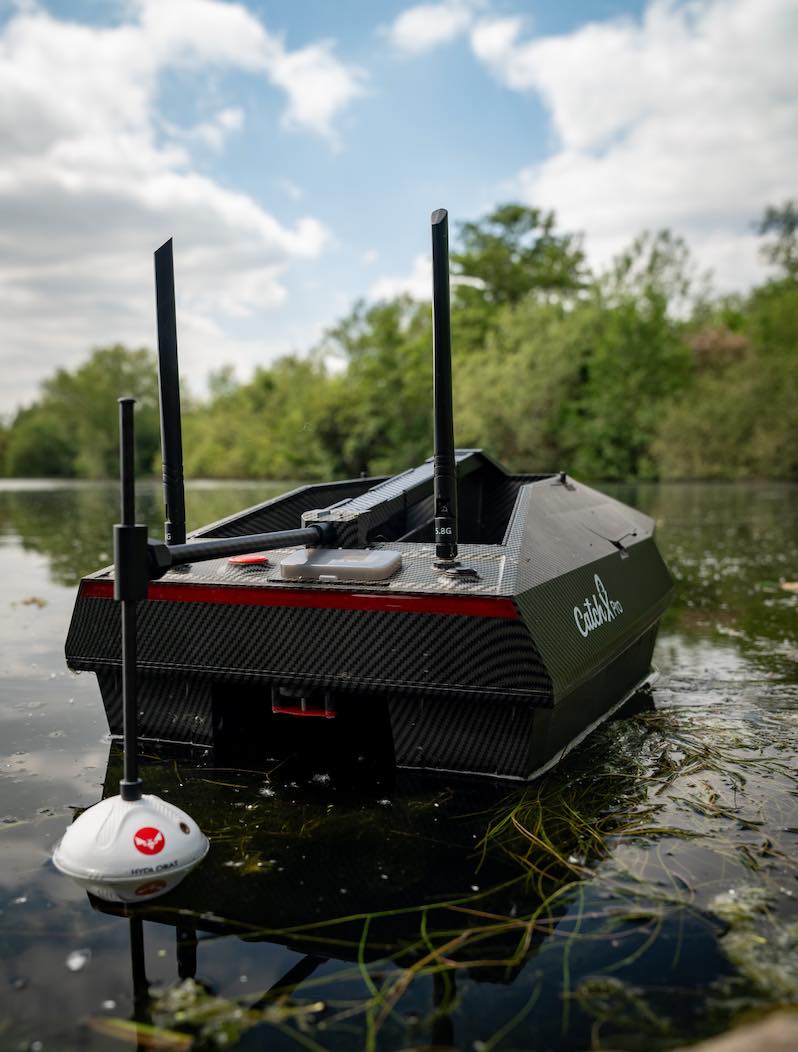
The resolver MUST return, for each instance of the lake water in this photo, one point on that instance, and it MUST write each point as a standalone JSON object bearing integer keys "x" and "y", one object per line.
{"x": 641, "y": 896}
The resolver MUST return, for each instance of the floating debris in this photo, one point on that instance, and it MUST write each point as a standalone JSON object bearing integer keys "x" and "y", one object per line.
{"x": 762, "y": 950}
{"x": 78, "y": 959}
{"x": 741, "y": 905}
{"x": 609, "y": 1000}
{"x": 218, "y": 1021}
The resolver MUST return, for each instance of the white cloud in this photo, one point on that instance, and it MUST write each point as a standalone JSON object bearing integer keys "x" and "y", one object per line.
{"x": 92, "y": 180}
{"x": 684, "y": 119}
{"x": 495, "y": 42}
{"x": 418, "y": 283}
{"x": 192, "y": 33}
{"x": 427, "y": 26}
{"x": 215, "y": 132}
{"x": 317, "y": 85}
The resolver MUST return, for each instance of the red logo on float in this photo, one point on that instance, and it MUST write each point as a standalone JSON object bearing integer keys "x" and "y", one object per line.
{"x": 148, "y": 840}
{"x": 152, "y": 888}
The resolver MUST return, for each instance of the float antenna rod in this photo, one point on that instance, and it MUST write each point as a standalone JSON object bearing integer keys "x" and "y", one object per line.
{"x": 445, "y": 471}
{"x": 169, "y": 386}
{"x": 130, "y": 587}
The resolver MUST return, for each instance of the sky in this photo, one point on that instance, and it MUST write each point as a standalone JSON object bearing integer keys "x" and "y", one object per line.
{"x": 294, "y": 150}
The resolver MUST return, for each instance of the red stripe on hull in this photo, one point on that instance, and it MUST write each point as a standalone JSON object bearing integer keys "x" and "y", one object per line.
{"x": 232, "y": 595}
{"x": 316, "y": 713}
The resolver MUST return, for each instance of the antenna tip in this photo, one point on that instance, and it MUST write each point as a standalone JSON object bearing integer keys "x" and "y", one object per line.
{"x": 165, "y": 245}
{"x": 440, "y": 215}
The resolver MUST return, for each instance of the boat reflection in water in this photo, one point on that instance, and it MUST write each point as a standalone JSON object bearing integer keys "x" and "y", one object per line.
{"x": 432, "y": 915}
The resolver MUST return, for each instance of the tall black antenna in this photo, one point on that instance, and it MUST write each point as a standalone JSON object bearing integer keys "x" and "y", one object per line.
{"x": 130, "y": 586}
{"x": 445, "y": 472}
{"x": 169, "y": 381}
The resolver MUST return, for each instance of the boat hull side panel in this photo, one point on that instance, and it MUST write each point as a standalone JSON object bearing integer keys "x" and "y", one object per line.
{"x": 589, "y": 619}
{"x": 171, "y": 708}
{"x": 377, "y": 651}
{"x": 512, "y": 741}
{"x": 463, "y": 735}
{"x": 560, "y": 727}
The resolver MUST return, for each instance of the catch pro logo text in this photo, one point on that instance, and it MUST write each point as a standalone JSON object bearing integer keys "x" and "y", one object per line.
{"x": 597, "y": 610}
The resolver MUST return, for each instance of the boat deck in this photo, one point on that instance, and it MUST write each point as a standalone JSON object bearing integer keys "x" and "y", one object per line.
{"x": 417, "y": 573}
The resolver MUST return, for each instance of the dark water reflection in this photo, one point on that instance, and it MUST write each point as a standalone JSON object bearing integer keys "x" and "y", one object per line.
{"x": 642, "y": 895}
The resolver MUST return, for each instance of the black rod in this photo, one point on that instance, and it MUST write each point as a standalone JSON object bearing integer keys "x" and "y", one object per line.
{"x": 443, "y": 460}
{"x": 127, "y": 462}
{"x": 218, "y": 547}
{"x": 141, "y": 987}
{"x": 169, "y": 386}
{"x": 186, "y": 946}
{"x": 130, "y": 786}
{"x": 130, "y": 585}
{"x": 163, "y": 557}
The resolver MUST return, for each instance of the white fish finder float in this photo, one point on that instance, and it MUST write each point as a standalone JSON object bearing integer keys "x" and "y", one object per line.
{"x": 454, "y": 617}
{"x": 131, "y": 847}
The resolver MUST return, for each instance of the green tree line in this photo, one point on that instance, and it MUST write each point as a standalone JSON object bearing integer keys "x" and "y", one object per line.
{"x": 634, "y": 372}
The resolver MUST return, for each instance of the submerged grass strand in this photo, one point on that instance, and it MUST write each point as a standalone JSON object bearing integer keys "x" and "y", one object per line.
{"x": 142, "y": 1035}
{"x": 511, "y": 1024}
{"x": 589, "y": 864}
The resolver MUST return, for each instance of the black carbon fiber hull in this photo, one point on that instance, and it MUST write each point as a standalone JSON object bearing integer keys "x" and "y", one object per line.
{"x": 496, "y": 675}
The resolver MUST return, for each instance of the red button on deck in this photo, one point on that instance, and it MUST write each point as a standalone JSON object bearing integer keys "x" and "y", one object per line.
{"x": 249, "y": 560}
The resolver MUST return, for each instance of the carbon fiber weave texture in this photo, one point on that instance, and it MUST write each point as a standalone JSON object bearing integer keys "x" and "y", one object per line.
{"x": 556, "y": 528}
{"x": 637, "y": 581}
{"x": 172, "y": 708}
{"x": 461, "y": 735}
{"x": 349, "y": 648}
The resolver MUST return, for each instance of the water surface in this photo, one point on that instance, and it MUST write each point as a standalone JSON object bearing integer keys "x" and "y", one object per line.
{"x": 642, "y": 895}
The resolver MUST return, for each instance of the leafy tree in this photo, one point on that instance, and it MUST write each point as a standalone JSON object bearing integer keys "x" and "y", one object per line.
{"x": 267, "y": 428}
{"x": 5, "y": 432}
{"x": 636, "y": 373}
{"x": 782, "y": 221}
{"x": 580, "y": 384}
{"x": 515, "y": 398}
{"x": 40, "y": 444}
{"x": 515, "y": 250}
{"x": 737, "y": 420}
{"x": 72, "y": 428}
{"x": 637, "y": 361}
{"x": 384, "y": 398}
{"x": 504, "y": 257}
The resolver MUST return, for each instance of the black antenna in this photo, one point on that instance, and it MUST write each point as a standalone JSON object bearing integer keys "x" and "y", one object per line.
{"x": 169, "y": 381}
{"x": 445, "y": 472}
{"x": 130, "y": 587}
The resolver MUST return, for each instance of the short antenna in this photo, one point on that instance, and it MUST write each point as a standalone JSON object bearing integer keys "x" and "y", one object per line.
{"x": 445, "y": 473}
{"x": 169, "y": 388}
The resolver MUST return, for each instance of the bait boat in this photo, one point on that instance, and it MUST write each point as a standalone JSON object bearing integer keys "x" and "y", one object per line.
{"x": 455, "y": 617}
